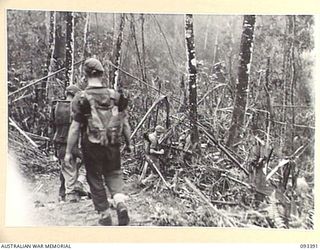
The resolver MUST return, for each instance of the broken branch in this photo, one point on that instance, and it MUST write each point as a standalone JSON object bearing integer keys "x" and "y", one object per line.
{"x": 13, "y": 124}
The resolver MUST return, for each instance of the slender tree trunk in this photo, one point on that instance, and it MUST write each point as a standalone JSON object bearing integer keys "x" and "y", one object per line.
{"x": 157, "y": 109}
{"x": 69, "y": 48}
{"x": 289, "y": 82}
{"x": 50, "y": 59}
{"x": 293, "y": 79}
{"x": 133, "y": 30}
{"x": 183, "y": 95}
{"x": 239, "y": 110}
{"x": 114, "y": 72}
{"x": 86, "y": 45}
{"x": 143, "y": 48}
{"x": 60, "y": 40}
{"x": 267, "y": 73}
{"x": 114, "y": 22}
{"x": 215, "y": 51}
{"x": 284, "y": 84}
{"x": 192, "y": 70}
{"x": 86, "y": 42}
{"x": 206, "y": 34}
{"x": 166, "y": 40}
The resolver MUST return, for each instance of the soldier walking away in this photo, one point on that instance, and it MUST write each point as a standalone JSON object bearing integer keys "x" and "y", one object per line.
{"x": 73, "y": 182}
{"x": 95, "y": 119}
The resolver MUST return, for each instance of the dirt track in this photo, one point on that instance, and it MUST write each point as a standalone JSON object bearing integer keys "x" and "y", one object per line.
{"x": 49, "y": 211}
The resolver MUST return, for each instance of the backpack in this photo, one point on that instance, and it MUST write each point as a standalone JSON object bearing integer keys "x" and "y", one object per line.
{"x": 104, "y": 124}
{"x": 61, "y": 120}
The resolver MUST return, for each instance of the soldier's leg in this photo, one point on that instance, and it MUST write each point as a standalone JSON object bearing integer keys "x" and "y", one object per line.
{"x": 70, "y": 174}
{"x": 62, "y": 189}
{"x": 114, "y": 180}
{"x": 60, "y": 152}
{"x": 82, "y": 184}
{"x": 93, "y": 159}
{"x": 144, "y": 171}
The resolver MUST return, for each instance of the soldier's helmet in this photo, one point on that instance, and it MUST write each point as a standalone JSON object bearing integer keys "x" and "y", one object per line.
{"x": 93, "y": 66}
{"x": 159, "y": 129}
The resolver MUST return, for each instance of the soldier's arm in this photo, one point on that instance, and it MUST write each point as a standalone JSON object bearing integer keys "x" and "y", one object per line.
{"x": 126, "y": 129}
{"x": 73, "y": 136}
{"x": 74, "y": 130}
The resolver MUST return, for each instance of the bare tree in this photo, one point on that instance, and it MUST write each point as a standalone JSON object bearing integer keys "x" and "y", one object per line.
{"x": 86, "y": 52}
{"x": 51, "y": 45}
{"x": 192, "y": 69}
{"x": 239, "y": 110}
{"x": 143, "y": 47}
{"x": 114, "y": 72}
{"x": 69, "y": 48}
{"x": 133, "y": 33}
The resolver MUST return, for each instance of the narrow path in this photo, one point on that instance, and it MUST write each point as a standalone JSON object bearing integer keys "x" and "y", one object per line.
{"x": 50, "y": 212}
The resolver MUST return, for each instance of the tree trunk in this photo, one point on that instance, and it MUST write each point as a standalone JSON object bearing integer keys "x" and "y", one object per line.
{"x": 239, "y": 110}
{"x": 51, "y": 45}
{"x": 206, "y": 34}
{"x": 215, "y": 51}
{"x": 133, "y": 30}
{"x": 289, "y": 79}
{"x": 143, "y": 48}
{"x": 293, "y": 79}
{"x": 86, "y": 45}
{"x": 192, "y": 69}
{"x": 59, "y": 50}
{"x": 183, "y": 95}
{"x": 114, "y": 72}
{"x": 69, "y": 48}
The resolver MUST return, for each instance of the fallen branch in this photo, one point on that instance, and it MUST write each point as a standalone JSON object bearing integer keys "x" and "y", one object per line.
{"x": 38, "y": 137}
{"x": 222, "y": 148}
{"x": 198, "y": 192}
{"x": 13, "y": 124}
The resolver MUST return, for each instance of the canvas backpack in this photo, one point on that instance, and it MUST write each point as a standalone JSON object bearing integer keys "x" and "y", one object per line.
{"x": 104, "y": 125}
{"x": 61, "y": 120}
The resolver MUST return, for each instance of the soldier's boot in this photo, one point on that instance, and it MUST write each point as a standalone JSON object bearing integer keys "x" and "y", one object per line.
{"x": 105, "y": 218}
{"x": 122, "y": 212}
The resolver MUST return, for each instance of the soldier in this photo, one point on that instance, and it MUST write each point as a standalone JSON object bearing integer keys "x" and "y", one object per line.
{"x": 153, "y": 151}
{"x": 96, "y": 119}
{"x": 73, "y": 183}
